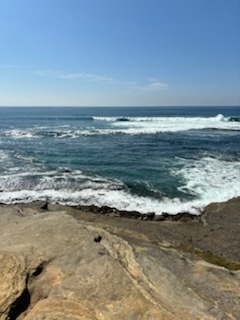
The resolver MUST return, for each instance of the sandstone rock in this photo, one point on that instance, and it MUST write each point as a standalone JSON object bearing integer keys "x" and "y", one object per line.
{"x": 13, "y": 283}
{"x": 55, "y": 267}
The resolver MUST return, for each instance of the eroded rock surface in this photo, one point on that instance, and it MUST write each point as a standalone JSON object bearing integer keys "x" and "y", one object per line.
{"x": 13, "y": 281}
{"x": 61, "y": 263}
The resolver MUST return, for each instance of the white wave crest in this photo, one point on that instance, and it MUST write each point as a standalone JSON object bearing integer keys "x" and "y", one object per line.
{"x": 210, "y": 179}
{"x": 119, "y": 199}
{"x": 152, "y": 125}
{"x": 221, "y": 117}
{"x": 18, "y": 134}
{"x": 175, "y": 124}
{"x": 76, "y": 188}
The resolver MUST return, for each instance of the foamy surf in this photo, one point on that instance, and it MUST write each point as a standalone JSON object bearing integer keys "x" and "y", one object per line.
{"x": 206, "y": 179}
{"x": 115, "y": 199}
{"x": 120, "y": 200}
{"x": 175, "y": 124}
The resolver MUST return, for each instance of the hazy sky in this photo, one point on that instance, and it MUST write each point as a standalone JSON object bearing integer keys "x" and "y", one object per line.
{"x": 119, "y": 52}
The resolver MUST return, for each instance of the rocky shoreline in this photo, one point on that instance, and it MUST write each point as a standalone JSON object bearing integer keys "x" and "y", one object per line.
{"x": 59, "y": 262}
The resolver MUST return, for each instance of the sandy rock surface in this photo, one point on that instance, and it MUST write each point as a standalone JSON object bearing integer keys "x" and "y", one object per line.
{"x": 61, "y": 263}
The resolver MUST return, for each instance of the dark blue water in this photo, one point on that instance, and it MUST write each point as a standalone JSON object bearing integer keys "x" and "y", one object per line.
{"x": 145, "y": 159}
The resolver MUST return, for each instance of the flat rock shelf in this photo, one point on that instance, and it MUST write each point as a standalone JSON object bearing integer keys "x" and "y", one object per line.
{"x": 59, "y": 262}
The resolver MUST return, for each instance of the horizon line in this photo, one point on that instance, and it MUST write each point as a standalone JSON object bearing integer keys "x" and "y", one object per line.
{"x": 119, "y": 106}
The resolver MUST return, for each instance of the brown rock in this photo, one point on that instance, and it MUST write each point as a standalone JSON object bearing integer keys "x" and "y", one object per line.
{"x": 107, "y": 269}
{"x": 12, "y": 283}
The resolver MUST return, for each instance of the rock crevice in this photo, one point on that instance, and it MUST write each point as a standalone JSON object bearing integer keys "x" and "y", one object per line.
{"x": 20, "y": 305}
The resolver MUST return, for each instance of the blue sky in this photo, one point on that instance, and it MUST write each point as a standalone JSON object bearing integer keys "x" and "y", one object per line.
{"x": 119, "y": 52}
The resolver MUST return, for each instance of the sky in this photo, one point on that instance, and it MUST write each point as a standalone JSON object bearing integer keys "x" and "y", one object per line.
{"x": 119, "y": 52}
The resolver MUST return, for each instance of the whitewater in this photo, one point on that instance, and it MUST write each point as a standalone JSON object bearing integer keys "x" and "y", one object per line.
{"x": 161, "y": 160}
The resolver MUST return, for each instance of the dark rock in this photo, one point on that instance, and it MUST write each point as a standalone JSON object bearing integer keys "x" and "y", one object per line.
{"x": 98, "y": 238}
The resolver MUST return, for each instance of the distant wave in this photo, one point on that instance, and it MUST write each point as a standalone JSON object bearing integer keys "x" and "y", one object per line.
{"x": 130, "y": 126}
{"x": 73, "y": 118}
{"x": 218, "y": 117}
{"x": 151, "y": 125}
{"x": 18, "y": 134}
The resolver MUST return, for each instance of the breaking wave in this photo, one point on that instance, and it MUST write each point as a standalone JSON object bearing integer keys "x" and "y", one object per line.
{"x": 217, "y": 118}
{"x": 130, "y": 126}
{"x": 210, "y": 179}
{"x": 207, "y": 180}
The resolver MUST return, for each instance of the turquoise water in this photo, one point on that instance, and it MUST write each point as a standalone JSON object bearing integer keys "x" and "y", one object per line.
{"x": 144, "y": 159}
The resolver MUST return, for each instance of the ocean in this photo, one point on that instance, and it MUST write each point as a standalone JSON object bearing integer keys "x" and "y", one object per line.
{"x": 152, "y": 159}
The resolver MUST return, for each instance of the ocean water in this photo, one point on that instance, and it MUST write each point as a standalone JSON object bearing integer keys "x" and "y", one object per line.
{"x": 136, "y": 159}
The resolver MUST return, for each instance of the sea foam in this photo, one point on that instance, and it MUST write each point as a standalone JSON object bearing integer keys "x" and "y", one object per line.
{"x": 207, "y": 179}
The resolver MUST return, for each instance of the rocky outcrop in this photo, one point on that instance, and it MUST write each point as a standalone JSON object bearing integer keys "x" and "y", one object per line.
{"x": 13, "y": 283}
{"x": 62, "y": 263}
